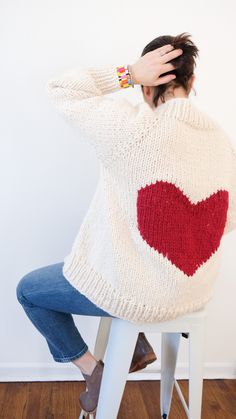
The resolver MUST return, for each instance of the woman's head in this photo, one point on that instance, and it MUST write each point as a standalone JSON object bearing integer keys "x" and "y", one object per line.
{"x": 184, "y": 71}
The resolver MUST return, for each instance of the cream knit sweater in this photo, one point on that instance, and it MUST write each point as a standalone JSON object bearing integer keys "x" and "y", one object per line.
{"x": 148, "y": 249}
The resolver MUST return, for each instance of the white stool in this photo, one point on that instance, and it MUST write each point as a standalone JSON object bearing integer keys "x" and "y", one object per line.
{"x": 116, "y": 338}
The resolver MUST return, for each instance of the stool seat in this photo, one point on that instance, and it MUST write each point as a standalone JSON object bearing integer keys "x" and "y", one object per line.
{"x": 116, "y": 340}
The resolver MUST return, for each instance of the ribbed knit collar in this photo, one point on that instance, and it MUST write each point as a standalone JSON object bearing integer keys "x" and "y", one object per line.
{"x": 183, "y": 109}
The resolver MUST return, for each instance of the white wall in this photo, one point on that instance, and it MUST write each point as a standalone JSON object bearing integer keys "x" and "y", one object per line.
{"x": 48, "y": 175}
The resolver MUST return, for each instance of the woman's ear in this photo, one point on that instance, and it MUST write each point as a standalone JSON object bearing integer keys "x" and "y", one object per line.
{"x": 147, "y": 90}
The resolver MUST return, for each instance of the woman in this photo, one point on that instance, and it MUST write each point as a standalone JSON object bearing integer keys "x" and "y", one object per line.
{"x": 148, "y": 249}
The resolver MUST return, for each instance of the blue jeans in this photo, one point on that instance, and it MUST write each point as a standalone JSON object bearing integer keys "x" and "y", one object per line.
{"x": 49, "y": 300}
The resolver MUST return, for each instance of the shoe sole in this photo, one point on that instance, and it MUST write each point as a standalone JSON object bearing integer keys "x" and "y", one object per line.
{"x": 148, "y": 359}
{"x": 87, "y": 414}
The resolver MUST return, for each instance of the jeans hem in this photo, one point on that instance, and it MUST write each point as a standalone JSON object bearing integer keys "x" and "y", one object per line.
{"x": 70, "y": 358}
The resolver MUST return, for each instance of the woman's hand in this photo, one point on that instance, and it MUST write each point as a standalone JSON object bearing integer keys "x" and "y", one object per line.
{"x": 149, "y": 67}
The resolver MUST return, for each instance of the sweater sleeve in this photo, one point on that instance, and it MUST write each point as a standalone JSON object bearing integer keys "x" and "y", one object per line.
{"x": 231, "y": 214}
{"x": 81, "y": 95}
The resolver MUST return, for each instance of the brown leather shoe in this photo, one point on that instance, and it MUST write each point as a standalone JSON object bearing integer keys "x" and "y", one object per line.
{"x": 143, "y": 354}
{"x": 89, "y": 398}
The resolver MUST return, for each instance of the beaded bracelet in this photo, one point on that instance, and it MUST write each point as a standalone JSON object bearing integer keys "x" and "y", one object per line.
{"x": 124, "y": 76}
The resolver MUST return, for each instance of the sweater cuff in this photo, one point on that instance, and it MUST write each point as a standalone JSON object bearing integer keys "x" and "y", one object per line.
{"x": 106, "y": 78}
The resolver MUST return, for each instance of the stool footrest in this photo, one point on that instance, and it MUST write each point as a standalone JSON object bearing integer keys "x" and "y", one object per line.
{"x": 183, "y": 401}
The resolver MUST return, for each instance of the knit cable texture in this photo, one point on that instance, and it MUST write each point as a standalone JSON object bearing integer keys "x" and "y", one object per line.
{"x": 149, "y": 247}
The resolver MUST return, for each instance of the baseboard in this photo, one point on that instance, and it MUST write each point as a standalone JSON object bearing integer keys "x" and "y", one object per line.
{"x": 14, "y": 372}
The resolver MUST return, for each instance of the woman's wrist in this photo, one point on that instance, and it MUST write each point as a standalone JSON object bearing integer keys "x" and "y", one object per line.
{"x": 131, "y": 69}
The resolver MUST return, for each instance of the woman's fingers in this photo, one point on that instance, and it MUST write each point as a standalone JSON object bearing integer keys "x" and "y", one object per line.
{"x": 164, "y": 49}
{"x": 170, "y": 55}
{"x": 167, "y": 67}
{"x": 164, "y": 79}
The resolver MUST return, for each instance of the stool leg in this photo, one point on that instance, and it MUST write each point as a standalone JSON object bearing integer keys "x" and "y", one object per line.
{"x": 120, "y": 349}
{"x": 169, "y": 353}
{"x": 196, "y": 355}
{"x": 102, "y": 337}
{"x": 99, "y": 349}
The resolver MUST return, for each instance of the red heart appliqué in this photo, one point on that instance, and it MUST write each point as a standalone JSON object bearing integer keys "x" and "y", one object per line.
{"x": 184, "y": 232}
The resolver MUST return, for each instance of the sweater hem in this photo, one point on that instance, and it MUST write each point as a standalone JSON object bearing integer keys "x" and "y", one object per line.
{"x": 86, "y": 280}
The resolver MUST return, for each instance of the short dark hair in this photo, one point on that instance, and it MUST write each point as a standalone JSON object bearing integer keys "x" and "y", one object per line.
{"x": 184, "y": 63}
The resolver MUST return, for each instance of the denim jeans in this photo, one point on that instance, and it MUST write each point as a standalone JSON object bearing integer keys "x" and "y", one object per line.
{"x": 49, "y": 300}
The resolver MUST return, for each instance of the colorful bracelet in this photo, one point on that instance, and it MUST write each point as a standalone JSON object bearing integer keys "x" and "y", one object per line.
{"x": 124, "y": 76}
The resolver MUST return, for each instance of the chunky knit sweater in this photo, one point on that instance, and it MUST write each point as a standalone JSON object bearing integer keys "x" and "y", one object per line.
{"x": 148, "y": 249}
